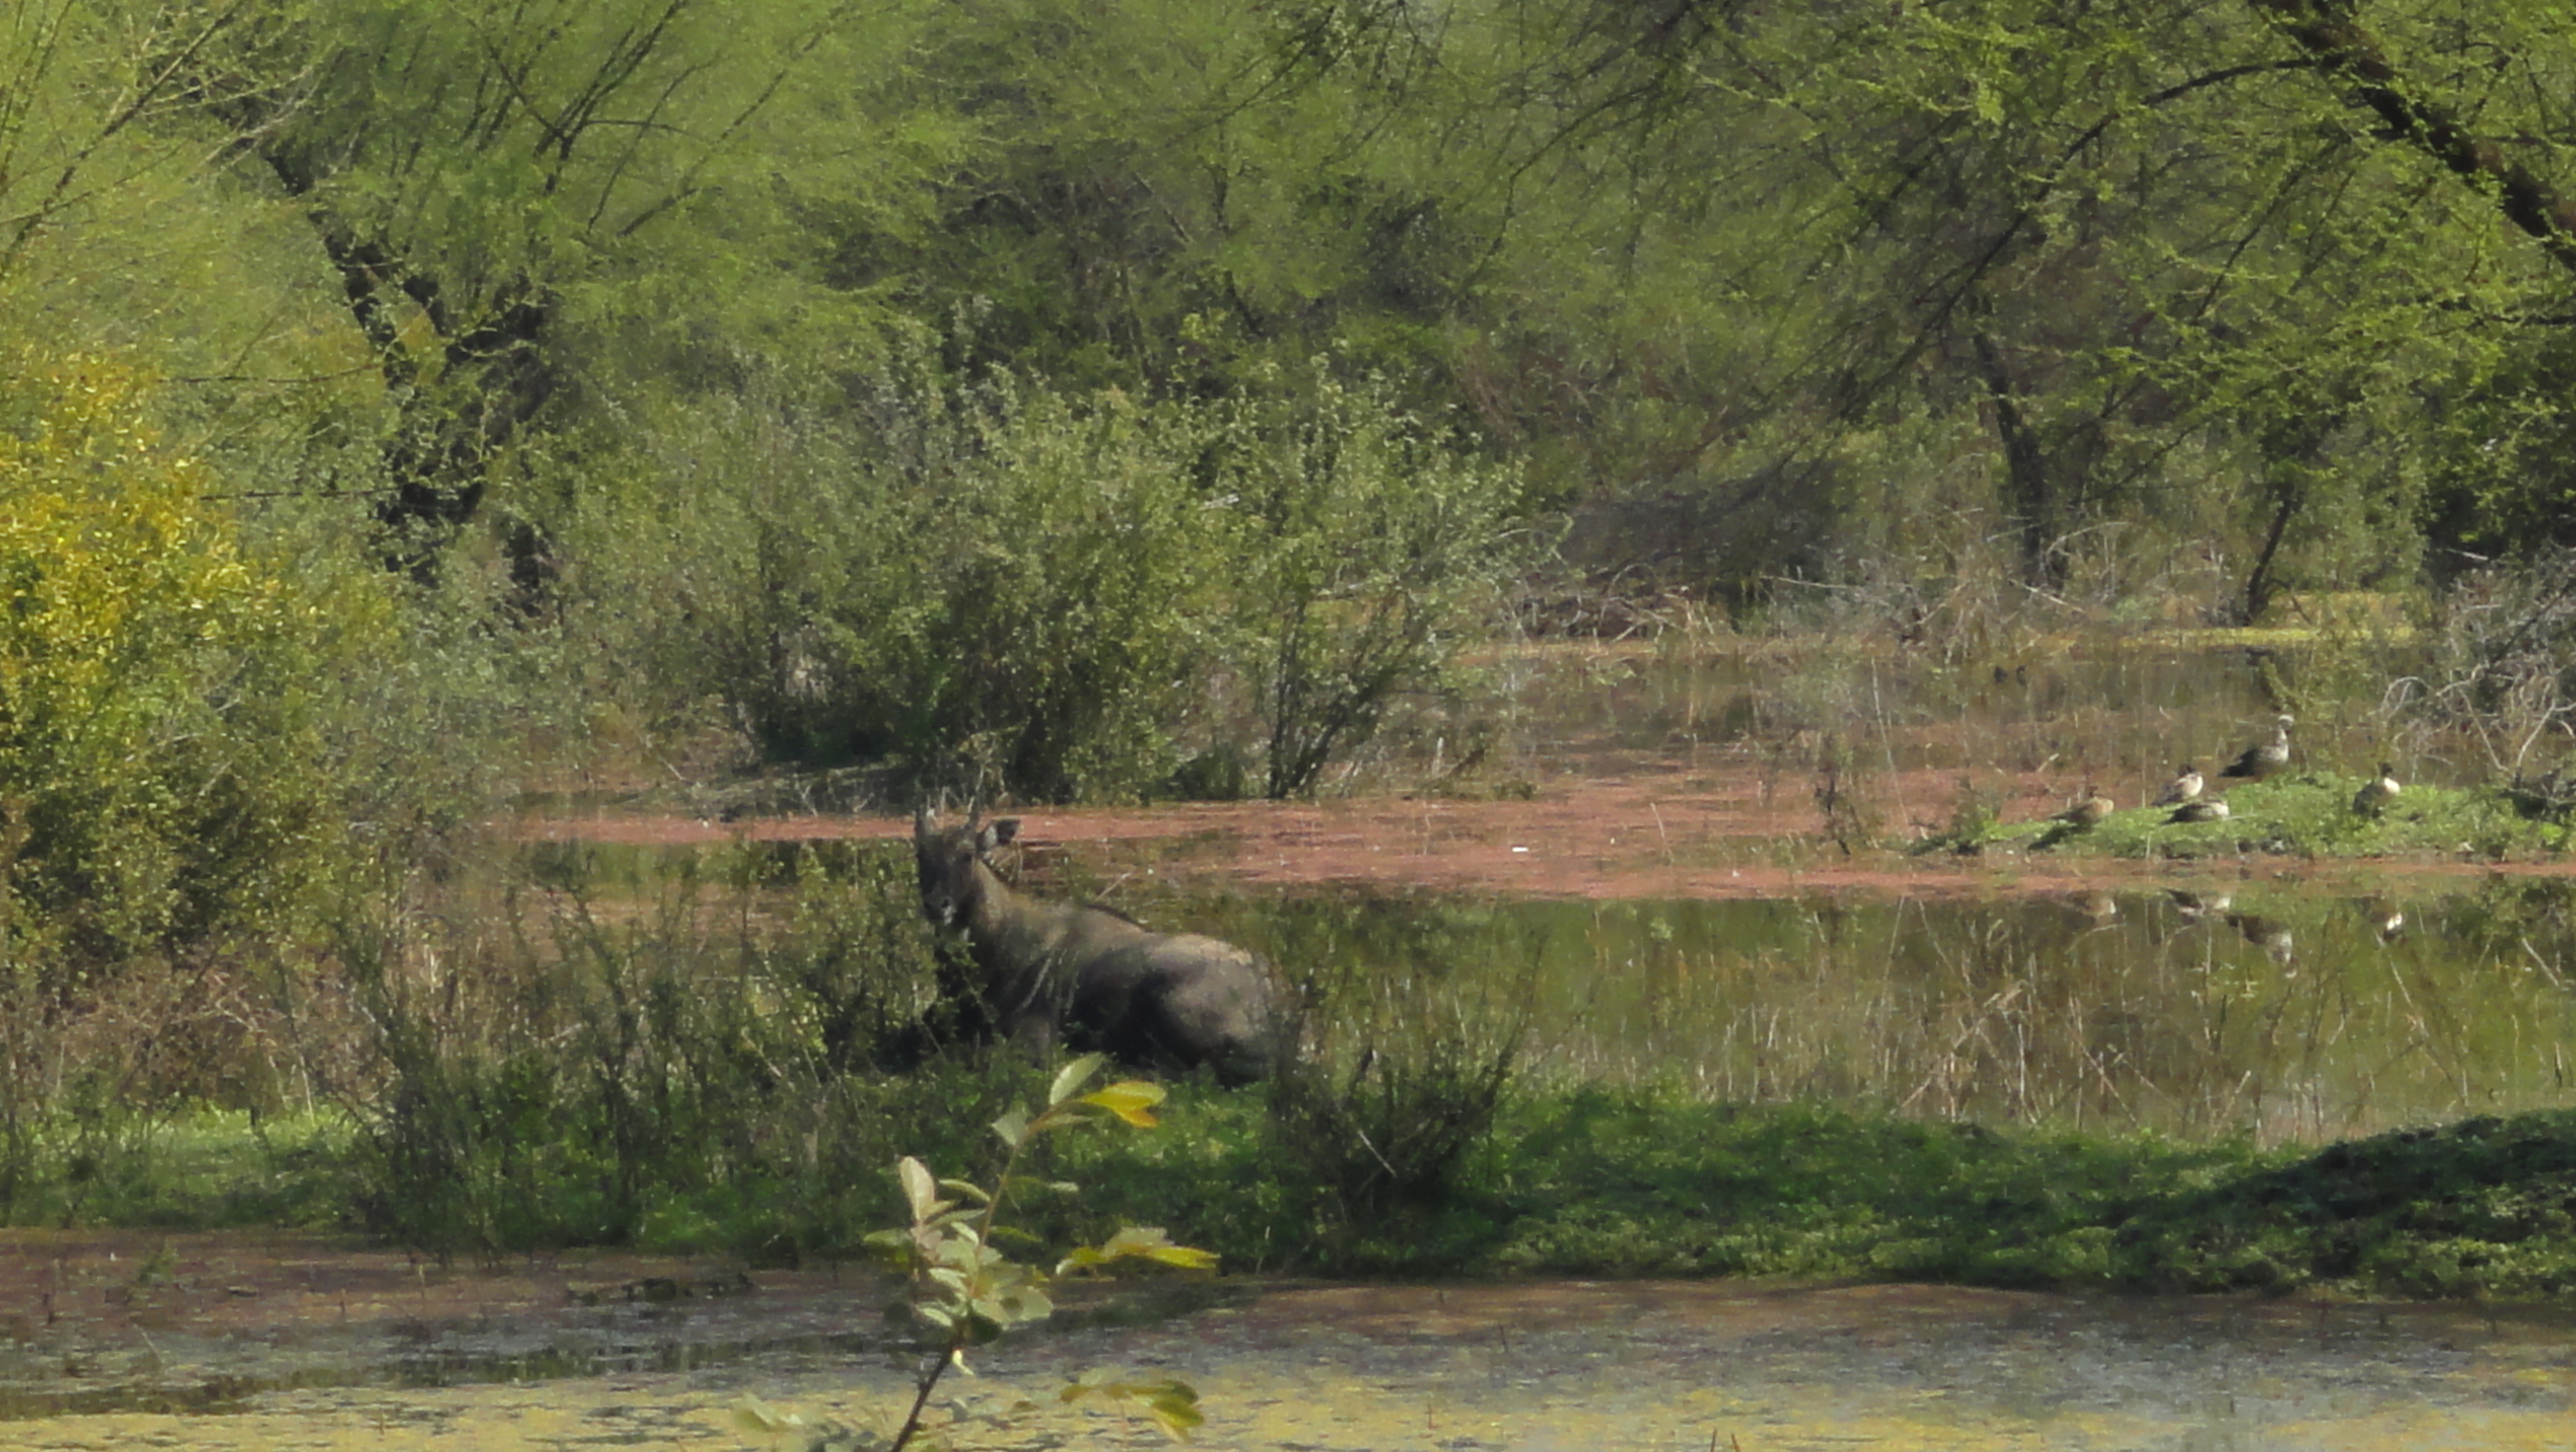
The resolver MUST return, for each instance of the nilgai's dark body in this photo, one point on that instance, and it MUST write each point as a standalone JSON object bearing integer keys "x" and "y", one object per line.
{"x": 1176, "y": 1000}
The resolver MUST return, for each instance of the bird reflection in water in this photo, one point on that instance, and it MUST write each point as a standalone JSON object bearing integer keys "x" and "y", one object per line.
{"x": 2269, "y": 934}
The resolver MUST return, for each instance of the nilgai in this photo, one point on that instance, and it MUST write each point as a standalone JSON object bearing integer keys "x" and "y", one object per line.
{"x": 1100, "y": 981}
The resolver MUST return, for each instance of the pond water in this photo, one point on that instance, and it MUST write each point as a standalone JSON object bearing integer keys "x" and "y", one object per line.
{"x": 1555, "y": 1368}
{"x": 2277, "y": 1011}
{"x": 2209, "y": 1001}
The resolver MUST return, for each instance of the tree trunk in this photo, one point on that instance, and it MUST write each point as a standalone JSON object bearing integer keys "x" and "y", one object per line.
{"x": 2030, "y": 494}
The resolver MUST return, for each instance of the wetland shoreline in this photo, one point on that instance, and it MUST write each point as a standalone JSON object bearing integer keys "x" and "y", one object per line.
{"x": 1953, "y": 1231}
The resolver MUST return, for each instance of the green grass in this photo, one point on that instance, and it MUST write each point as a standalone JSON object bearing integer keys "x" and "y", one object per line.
{"x": 1630, "y": 1185}
{"x": 211, "y": 1169}
{"x": 2484, "y": 1207}
{"x": 1589, "y": 1182}
{"x": 2306, "y": 815}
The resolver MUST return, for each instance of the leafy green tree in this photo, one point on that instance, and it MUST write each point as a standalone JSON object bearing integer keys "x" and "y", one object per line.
{"x": 2146, "y": 249}
{"x": 513, "y": 197}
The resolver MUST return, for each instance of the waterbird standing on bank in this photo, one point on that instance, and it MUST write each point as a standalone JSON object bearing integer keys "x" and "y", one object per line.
{"x": 2088, "y": 811}
{"x": 2212, "y": 810}
{"x": 2185, "y": 787}
{"x": 2262, "y": 760}
{"x": 2385, "y": 917}
{"x": 2377, "y": 793}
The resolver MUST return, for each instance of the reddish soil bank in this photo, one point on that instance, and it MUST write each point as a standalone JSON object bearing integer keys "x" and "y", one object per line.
{"x": 1716, "y": 832}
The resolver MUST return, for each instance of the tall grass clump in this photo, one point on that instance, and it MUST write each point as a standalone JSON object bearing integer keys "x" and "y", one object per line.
{"x": 580, "y": 1051}
{"x": 1383, "y": 1115}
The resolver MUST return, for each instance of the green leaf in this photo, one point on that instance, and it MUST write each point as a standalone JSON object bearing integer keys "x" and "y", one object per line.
{"x": 1184, "y": 1257}
{"x": 920, "y": 1189}
{"x": 1175, "y": 1409}
{"x": 1072, "y": 1077}
{"x": 1018, "y": 1306}
{"x": 1171, "y": 1403}
{"x": 760, "y": 1419}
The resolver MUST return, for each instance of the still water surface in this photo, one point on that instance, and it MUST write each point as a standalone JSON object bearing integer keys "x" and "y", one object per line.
{"x": 2210, "y": 1002}
{"x": 1557, "y": 1368}
{"x": 2280, "y": 1012}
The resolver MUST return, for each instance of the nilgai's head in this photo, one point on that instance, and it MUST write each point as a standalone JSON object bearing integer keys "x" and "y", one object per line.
{"x": 945, "y": 858}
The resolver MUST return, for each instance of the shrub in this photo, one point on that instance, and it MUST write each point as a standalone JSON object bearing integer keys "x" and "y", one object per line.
{"x": 997, "y": 588}
{"x": 167, "y": 796}
{"x": 1373, "y": 549}
{"x": 158, "y": 709}
{"x": 1402, "y": 1074}
{"x": 1006, "y": 588}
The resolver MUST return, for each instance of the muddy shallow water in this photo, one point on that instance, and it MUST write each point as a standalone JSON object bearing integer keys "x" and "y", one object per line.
{"x": 1536, "y": 1368}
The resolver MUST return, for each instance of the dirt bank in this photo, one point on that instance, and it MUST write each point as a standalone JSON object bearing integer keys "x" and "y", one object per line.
{"x": 1729, "y": 831}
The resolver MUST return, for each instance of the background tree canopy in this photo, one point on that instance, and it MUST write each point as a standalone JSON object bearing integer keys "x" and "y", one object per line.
{"x": 808, "y": 363}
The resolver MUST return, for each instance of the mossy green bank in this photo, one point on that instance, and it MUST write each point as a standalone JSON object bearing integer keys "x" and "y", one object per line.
{"x": 1586, "y": 1182}
{"x": 2308, "y": 815}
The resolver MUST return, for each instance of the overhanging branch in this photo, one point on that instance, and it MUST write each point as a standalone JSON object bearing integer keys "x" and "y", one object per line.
{"x": 2331, "y": 35}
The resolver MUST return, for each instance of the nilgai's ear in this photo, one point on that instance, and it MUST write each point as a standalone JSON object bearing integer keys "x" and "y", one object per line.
{"x": 924, "y": 822}
{"x": 1000, "y": 832}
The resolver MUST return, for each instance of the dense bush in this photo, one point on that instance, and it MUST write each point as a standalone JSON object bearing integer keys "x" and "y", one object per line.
{"x": 161, "y": 692}
{"x": 1374, "y": 550}
{"x": 1006, "y": 588}
{"x": 169, "y": 789}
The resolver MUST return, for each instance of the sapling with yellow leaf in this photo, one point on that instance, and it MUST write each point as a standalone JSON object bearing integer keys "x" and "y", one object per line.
{"x": 966, "y": 1290}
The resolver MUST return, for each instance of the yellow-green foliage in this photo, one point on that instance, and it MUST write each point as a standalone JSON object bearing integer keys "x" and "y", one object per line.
{"x": 158, "y": 786}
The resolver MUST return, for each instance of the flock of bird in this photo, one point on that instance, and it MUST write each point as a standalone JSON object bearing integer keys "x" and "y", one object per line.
{"x": 2184, "y": 794}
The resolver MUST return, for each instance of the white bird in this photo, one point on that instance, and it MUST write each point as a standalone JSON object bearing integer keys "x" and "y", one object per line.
{"x": 2185, "y": 787}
